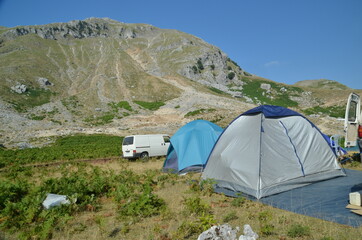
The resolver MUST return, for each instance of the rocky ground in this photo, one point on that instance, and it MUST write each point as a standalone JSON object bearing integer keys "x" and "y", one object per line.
{"x": 17, "y": 130}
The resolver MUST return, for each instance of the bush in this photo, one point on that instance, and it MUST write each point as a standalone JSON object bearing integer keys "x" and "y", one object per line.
{"x": 194, "y": 205}
{"x": 199, "y": 111}
{"x": 298, "y": 230}
{"x": 150, "y": 105}
{"x": 143, "y": 205}
{"x": 230, "y": 216}
{"x": 194, "y": 69}
{"x": 231, "y": 75}
{"x": 122, "y": 104}
{"x": 199, "y": 64}
{"x": 238, "y": 202}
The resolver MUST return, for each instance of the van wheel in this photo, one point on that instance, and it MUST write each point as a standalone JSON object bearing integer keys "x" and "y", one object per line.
{"x": 144, "y": 157}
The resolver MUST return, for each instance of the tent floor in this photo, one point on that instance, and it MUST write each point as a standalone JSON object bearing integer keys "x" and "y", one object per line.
{"x": 326, "y": 200}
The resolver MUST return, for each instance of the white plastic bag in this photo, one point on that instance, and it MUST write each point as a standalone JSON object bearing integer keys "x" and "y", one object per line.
{"x": 53, "y": 200}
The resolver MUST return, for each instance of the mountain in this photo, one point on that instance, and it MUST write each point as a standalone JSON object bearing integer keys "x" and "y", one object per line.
{"x": 322, "y": 83}
{"x": 100, "y": 75}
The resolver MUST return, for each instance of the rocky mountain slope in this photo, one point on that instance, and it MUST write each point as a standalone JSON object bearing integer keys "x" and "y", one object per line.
{"x": 100, "y": 75}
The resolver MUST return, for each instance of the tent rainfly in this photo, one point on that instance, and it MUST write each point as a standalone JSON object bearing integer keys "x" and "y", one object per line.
{"x": 270, "y": 149}
{"x": 190, "y": 146}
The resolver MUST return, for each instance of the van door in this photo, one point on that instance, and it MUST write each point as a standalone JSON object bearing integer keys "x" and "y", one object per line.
{"x": 166, "y": 144}
{"x": 156, "y": 145}
{"x": 142, "y": 143}
{"x": 128, "y": 147}
{"x": 352, "y": 120}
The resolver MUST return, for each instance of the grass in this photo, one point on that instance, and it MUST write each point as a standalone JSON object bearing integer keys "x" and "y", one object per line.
{"x": 252, "y": 89}
{"x": 31, "y": 98}
{"x": 120, "y": 105}
{"x": 65, "y": 148}
{"x": 199, "y": 111}
{"x": 218, "y": 91}
{"x": 101, "y": 120}
{"x": 132, "y": 200}
{"x": 153, "y": 106}
{"x": 333, "y": 111}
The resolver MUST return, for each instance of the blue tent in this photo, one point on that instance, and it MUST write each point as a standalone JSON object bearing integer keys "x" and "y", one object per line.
{"x": 191, "y": 146}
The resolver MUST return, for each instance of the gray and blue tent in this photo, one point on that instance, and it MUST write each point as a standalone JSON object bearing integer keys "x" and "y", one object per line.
{"x": 270, "y": 149}
{"x": 190, "y": 146}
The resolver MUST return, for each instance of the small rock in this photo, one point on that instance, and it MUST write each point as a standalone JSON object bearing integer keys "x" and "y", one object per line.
{"x": 265, "y": 86}
{"x": 43, "y": 82}
{"x": 24, "y": 145}
{"x": 20, "y": 88}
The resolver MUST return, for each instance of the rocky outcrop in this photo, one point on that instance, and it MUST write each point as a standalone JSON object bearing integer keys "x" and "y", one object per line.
{"x": 91, "y": 27}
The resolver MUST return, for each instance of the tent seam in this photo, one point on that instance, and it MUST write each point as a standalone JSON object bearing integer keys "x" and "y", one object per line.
{"x": 295, "y": 150}
{"x": 260, "y": 155}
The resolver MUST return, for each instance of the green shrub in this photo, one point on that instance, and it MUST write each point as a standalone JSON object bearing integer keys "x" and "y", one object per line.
{"x": 194, "y": 205}
{"x": 199, "y": 111}
{"x": 238, "y": 202}
{"x": 150, "y": 105}
{"x": 195, "y": 70}
{"x": 143, "y": 205}
{"x": 267, "y": 229}
{"x": 298, "y": 230}
{"x": 199, "y": 64}
{"x": 122, "y": 104}
{"x": 188, "y": 229}
{"x": 101, "y": 120}
{"x": 217, "y": 90}
{"x": 231, "y": 75}
{"x": 11, "y": 192}
{"x": 230, "y": 216}
{"x": 37, "y": 117}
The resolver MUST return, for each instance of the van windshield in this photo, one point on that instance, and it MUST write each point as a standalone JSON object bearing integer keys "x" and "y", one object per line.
{"x": 127, "y": 141}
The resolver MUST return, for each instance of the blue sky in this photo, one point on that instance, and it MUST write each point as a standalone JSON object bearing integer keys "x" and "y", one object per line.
{"x": 282, "y": 40}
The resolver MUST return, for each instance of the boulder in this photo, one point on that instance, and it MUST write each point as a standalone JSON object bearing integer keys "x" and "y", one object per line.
{"x": 221, "y": 232}
{"x": 19, "y": 88}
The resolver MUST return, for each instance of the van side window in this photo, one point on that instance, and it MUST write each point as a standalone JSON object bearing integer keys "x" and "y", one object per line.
{"x": 166, "y": 139}
{"x": 128, "y": 141}
{"x": 352, "y": 112}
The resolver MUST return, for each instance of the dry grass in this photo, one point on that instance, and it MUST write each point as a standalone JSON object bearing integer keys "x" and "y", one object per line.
{"x": 100, "y": 225}
{"x": 106, "y": 223}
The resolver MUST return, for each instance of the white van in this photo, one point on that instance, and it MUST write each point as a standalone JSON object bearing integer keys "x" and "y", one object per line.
{"x": 144, "y": 146}
{"x": 353, "y": 122}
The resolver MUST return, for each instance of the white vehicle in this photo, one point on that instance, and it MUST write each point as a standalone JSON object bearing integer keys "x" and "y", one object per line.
{"x": 353, "y": 122}
{"x": 144, "y": 146}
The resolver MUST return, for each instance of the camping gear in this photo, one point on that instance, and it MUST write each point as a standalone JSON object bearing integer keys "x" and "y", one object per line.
{"x": 190, "y": 146}
{"x": 355, "y": 198}
{"x": 270, "y": 149}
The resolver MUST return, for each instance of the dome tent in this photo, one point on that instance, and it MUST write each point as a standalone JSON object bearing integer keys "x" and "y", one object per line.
{"x": 190, "y": 146}
{"x": 270, "y": 149}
